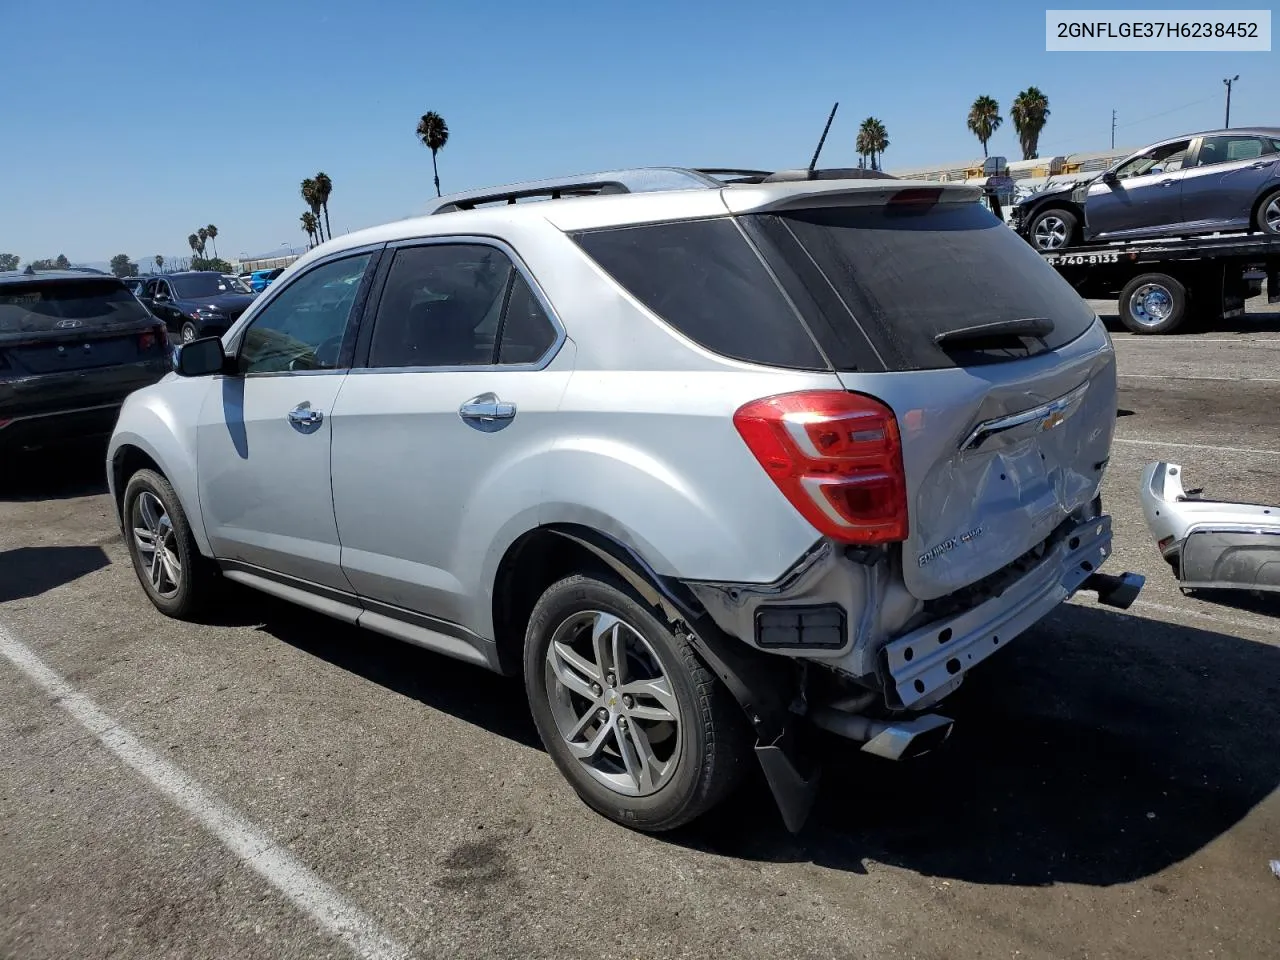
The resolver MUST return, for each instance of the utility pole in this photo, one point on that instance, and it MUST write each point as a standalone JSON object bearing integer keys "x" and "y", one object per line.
{"x": 1113, "y": 129}
{"x": 1226, "y": 125}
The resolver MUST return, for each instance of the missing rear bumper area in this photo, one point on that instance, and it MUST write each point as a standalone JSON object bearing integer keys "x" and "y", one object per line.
{"x": 931, "y": 658}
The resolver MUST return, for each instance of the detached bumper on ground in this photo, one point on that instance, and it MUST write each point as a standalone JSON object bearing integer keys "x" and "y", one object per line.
{"x": 1211, "y": 544}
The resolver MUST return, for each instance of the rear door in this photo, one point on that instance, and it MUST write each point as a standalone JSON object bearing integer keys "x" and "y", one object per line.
{"x": 1004, "y": 435}
{"x": 462, "y": 379}
{"x": 1229, "y": 174}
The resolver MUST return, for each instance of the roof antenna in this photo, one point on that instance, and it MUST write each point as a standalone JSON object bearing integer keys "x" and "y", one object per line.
{"x": 823, "y": 139}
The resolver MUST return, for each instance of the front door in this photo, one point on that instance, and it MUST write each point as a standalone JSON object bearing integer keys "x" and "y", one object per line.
{"x": 264, "y": 434}
{"x": 1144, "y": 198}
{"x": 1229, "y": 174}
{"x": 459, "y": 392}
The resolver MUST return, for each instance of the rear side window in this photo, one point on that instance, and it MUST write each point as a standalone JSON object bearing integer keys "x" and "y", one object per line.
{"x": 43, "y": 306}
{"x": 908, "y": 274}
{"x": 705, "y": 280}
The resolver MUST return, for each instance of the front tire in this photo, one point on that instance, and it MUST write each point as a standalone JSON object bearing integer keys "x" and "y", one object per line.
{"x": 189, "y": 332}
{"x": 634, "y": 721}
{"x": 176, "y": 578}
{"x": 1153, "y": 303}
{"x": 1054, "y": 229}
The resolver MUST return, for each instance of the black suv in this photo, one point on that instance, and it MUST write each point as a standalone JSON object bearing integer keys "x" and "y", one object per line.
{"x": 73, "y": 345}
{"x": 195, "y": 303}
{"x": 1194, "y": 184}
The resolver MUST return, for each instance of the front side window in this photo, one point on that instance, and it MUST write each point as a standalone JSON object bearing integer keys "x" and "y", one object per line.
{"x": 1162, "y": 159}
{"x": 441, "y": 307}
{"x": 303, "y": 327}
{"x": 1215, "y": 150}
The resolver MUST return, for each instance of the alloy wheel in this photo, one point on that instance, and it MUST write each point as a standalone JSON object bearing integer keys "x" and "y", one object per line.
{"x": 1271, "y": 216}
{"x": 1051, "y": 233}
{"x": 157, "y": 544}
{"x": 188, "y": 333}
{"x": 613, "y": 703}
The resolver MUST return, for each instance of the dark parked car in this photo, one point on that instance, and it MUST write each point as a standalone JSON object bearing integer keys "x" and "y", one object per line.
{"x": 73, "y": 345}
{"x": 194, "y": 304}
{"x": 1223, "y": 180}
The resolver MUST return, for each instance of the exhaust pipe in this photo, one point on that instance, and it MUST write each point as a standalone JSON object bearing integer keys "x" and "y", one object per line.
{"x": 891, "y": 739}
{"x": 1115, "y": 591}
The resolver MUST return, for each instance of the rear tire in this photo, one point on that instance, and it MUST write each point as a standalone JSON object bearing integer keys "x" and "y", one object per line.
{"x": 1153, "y": 303}
{"x": 1054, "y": 229}
{"x": 180, "y": 580}
{"x": 598, "y": 722}
{"x": 1268, "y": 217}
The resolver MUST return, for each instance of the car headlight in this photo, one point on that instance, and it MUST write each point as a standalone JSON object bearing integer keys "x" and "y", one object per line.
{"x": 204, "y": 313}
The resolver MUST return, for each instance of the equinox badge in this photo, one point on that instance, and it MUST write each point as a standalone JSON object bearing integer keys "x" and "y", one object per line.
{"x": 948, "y": 545}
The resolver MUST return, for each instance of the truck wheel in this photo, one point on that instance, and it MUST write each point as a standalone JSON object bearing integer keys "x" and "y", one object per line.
{"x": 634, "y": 721}
{"x": 1054, "y": 229}
{"x": 1268, "y": 219}
{"x": 1153, "y": 303}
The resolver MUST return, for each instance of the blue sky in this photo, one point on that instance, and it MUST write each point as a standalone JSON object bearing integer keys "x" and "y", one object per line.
{"x": 129, "y": 124}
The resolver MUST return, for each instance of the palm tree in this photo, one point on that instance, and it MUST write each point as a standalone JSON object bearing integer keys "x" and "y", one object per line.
{"x": 324, "y": 187}
{"x": 872, "y": 140}
{"x": 984, "y": 119}
{"x": 309, "y": 226}
{"x": 1029, "y": 114}
{"x": 434, "y": 134}
{"x": 159, "y": 262}
{"x": 311, "y": 197}
{"x": 213, "y": 235}
{"x": 194, "y": 242}
{"x": 203, "y": 234}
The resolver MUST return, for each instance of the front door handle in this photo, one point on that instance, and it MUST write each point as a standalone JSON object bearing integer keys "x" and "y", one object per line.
{"x": 1167, "y": 183}
{"x": 487, "y": 408}
{"x": 304, "y": 416}
{"x": 1262, "y": 164}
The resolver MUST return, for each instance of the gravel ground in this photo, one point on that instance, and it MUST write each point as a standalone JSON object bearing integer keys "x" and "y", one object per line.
{"x": 1110, "y": 789}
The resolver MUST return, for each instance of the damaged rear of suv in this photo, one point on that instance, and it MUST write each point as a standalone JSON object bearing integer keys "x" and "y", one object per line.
{"x": 710, "y": 457}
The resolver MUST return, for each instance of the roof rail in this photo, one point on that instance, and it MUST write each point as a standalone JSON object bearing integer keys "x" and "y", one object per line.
{"x": 634, "y": 180}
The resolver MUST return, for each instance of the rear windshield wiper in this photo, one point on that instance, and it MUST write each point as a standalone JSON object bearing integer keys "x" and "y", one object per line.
{"x": 1025, "y": 327}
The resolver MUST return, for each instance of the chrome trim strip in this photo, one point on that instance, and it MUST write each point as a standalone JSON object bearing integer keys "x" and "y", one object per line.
{"x": 1044, "y": 413}
{"x": 60, "y": 413}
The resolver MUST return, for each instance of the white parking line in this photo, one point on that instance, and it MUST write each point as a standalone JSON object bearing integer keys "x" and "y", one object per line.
{"x": 1236, "y": 622}
{"x": 1181, "y": 376}
{"x": 1157, "y": 340}
{"x": 308, "y": 892}
{"x": 1198, "y": 446}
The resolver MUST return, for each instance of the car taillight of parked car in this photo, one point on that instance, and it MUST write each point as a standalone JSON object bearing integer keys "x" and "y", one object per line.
{"x": 837, "y": 457}
{"x": 156, "y": 335}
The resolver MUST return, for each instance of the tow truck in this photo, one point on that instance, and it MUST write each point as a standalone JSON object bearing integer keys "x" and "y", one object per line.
{"x": 1161, "y": 284}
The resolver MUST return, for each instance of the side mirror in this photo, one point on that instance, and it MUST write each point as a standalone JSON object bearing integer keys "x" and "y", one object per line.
{"x": 199, "y": 358}
{"x": 1110, "y": 177}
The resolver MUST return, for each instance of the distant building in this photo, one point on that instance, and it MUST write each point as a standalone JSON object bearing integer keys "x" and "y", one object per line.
{"x": 265, "y": 263}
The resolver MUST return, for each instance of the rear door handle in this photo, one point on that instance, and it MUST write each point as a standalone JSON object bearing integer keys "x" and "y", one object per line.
{"x": 487, "y": 408}
{"x": 304, "y": 416}
{"x": 1166, "y": 183}
{"x": 1262, "y": 164}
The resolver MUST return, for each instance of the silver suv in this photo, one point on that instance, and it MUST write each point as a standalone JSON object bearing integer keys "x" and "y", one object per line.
{"x": 713, "y": 458}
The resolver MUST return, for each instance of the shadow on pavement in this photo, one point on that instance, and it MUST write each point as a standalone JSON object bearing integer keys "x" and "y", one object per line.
{"x": 30, "y": 571}
{"x": 1100, "y": 749}
{"x": 59, "y": 473}
{"x": 470, "y": 693}
{"x": 1265, "y": 604}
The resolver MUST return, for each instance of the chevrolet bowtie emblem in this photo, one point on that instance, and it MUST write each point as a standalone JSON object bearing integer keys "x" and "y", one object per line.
{"x": 1051, "y": 421}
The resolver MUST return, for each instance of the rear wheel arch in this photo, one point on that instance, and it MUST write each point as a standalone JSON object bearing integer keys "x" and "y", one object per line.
{"x": 547, "y": 554}
{"x": 1255, "y": 215}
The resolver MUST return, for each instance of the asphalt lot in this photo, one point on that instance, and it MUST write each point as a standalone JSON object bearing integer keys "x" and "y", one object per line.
{"x": 265, "y": 784}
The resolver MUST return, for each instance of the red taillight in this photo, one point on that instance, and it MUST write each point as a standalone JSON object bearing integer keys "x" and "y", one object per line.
{"x": 836, "y": 456}
{"x": 4, "y": 423}
{"x": 149, "y": 339}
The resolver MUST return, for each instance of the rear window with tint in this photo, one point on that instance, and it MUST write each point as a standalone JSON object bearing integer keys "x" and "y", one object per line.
{"x": 907, "y": 274}
{"x": 51, "y": 305}
{"x": 704, "y": 279}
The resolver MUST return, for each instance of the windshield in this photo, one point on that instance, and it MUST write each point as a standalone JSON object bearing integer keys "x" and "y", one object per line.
{"x": 51, "y": 305}
{"x": 202, "y": 285}
{"x": 236, "y": 284}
